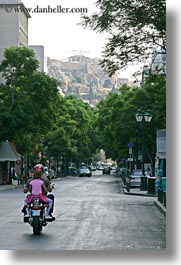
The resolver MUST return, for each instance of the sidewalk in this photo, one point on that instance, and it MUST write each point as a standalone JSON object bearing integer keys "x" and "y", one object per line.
{"x": 138, "y": 192}
{"x": 10, "y": 186}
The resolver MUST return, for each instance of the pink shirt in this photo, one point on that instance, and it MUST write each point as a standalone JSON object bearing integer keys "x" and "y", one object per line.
{"x": 36, "y": 186}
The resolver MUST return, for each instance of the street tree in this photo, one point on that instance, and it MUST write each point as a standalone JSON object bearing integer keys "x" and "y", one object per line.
{"x": 18, "y": 64}
{"x": 27, "y": 98}
{"x": 72, "y": 135}
{"x": 135, "y": 29}
{"x": 116, "y": 120}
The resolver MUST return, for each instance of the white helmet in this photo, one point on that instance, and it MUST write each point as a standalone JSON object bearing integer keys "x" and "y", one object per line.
{"x": 38, "y": 167}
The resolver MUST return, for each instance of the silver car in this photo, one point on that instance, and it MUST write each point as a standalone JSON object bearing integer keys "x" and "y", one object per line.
{"x": 85, "y": 172}
{"x": 135, "y": 178}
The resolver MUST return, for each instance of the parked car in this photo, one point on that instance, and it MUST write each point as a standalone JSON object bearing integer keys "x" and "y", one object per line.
{"x": 100, "y": 167}
{"x": 135, "y": 178}
{"x": 93, "y": 168}
{"x": 72, "y": 171}
{"x": 113, "y": 167}
{"x": 85, "y": 172}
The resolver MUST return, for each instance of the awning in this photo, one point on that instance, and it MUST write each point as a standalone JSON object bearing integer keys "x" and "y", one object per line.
{"x": 8, "y": 152}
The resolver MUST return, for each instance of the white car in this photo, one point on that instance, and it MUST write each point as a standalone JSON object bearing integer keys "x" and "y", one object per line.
{"x": 85, "y": 172}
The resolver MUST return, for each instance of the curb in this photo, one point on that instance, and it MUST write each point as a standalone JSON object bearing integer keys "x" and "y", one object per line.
{"x": 160, "y": 207}
{"x": 139, "y": 194}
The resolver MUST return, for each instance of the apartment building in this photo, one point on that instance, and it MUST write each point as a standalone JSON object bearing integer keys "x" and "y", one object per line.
{"x": 13, "y": 25}
{"x": 39, "y": 53}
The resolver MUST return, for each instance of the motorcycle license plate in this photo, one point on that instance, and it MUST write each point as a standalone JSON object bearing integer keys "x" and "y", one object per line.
{"x": 35, "y": 212}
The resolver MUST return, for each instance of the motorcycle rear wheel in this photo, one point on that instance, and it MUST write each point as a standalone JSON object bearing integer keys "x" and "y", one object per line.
{"x": 36, "y": 225}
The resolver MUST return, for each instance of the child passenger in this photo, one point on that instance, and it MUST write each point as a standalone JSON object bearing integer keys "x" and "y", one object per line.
{"x": 36, "y": 186}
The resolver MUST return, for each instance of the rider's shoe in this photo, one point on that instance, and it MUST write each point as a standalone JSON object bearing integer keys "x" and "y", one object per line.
{"x": 48, "y": 217}
{"x": 53, "y": 218}
{"x": 26, "y": 219}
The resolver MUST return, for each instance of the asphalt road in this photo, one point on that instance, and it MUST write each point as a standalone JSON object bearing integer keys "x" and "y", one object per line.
{"x": 91, "y": 214}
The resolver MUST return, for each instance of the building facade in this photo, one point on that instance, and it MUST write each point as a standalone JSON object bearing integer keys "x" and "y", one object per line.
{"x": 13, "y": 25}
{"x": 39, "y": 53}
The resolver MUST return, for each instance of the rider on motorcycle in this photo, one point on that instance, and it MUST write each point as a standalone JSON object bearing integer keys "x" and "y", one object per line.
{"x": 36, "y": 185}
{"x": 48, "y": 185}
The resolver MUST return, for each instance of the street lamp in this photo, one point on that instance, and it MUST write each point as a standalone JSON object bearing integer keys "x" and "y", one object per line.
{"x": 143, "y": 117}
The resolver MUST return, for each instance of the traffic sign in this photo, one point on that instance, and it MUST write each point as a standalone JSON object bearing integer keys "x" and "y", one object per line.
{"x": 130, "y": 151}
{"x": 130, "y": 145}
{"x": 130, "y": 158}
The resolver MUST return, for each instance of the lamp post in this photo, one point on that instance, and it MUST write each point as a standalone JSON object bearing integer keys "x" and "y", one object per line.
{"x": 136, "y": 134}
{"x": 143, "y": 117}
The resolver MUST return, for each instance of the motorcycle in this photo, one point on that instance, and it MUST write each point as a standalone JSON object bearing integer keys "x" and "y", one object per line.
{"x": 37, "y": 210}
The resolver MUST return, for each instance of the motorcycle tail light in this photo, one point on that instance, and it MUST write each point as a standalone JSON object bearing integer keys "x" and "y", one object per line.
{"x": 35, "y": 206}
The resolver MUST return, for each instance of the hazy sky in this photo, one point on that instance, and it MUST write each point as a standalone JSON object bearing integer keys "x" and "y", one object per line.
{"x": 60, "y": 34}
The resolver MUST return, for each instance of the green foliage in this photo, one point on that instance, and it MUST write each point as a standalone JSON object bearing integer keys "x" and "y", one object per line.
{"x": 72, "y": 133}
{"x": 116, "y": 120}
{"x": 34, "y": 115}
{"x": 135, "y": 28}
{"x": 18, "y": 64}
{"x": 27, "y": 97}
